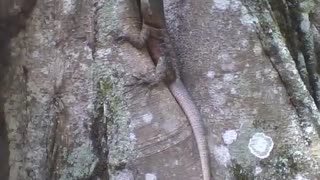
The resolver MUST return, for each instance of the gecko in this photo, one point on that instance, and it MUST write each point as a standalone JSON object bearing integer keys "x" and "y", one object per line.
{"x": 154, "y": 36}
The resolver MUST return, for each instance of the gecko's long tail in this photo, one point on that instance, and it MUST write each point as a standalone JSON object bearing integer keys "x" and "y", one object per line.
{"x": 184, "y": 99}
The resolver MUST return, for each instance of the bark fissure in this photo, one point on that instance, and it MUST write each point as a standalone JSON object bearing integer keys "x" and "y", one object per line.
{"x": 93, "y": 39}
{"x": 4, "y": 144}
{"x": 307, "y": 46}
{"x": 11, "y": 23}
{"x": 99, "y": 136}
{"x": 274, "y": 44}
{"x": 98, "y": 132}
{"x": 59, "y": 114}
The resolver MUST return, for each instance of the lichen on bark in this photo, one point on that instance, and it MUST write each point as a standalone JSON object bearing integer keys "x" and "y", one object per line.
{"x": 275, "y": 47}
{"x": 111, "y": 130}
{"x": 290, "y": 48}
{"x": 112, "y": 133}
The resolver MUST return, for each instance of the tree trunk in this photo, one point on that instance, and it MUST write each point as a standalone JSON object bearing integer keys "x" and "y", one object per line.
{"x": 67, "y": 111}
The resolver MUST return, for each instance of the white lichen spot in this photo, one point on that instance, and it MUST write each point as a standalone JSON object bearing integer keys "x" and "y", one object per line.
{"x": 150, "y": 176}
{"x": 228, "y": 77}
{"x": 258, "y": 75}
{"x": 267, "y": 71}
{"x": 300, "y": 177}
{"x": 235, "y": 4}
{"x": 233, "y": 91}
{"x": 132, "y": 137}
{"x": 258, "y": 170}
{"x": 83, "y": 66}
{"x": 229, "y": 136}
{"x": 275, "y": 91}
{"x": 67, "y": 6}
{"x": 211, "y": 74}
{"x": 222, "y": 155}
{"x": 217, "y": 86}
{"x": 246, "y": 18}
{"x": 309, "y": 129}
{"x": 305, "y": 24}
{"x": 147, "y": 118}
{"x": 314, "y": 150}
{"x": 226, "y": 62}
{"x": 102, "y": 53}
{"x": 219, "y": 99}
{"x": 244, "y": 44}
{"x": 260, "y": 145}
{"x": 88, "y": 52}
{"x": 35, "y": 53}
{"x": 224, "y": 57}
{"x": 221, "y": 4}
{"x": 45, "y": 70}
{"x": 257, "y": 50}
{"x": 297, "y": 154}
{"x": 124, "y": 175}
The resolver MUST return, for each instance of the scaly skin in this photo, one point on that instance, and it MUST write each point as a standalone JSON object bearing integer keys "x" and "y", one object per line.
{"x": 154, "y": 34}
{"x": 190, "y": 109}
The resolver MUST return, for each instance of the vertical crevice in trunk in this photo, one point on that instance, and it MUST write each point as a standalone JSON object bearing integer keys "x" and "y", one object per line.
{"x": 295, "y": 25}
{"x": 287, "y": 22}
{"x": 4, "y": 145}
{"x": 275, "y": 46}
{"x": 99, "y": 136}
{"x": 306, "y": 39}
{"x": 11, "y": 23}
{"x": 98, "y": 133}
{"x": 4, "y": 65}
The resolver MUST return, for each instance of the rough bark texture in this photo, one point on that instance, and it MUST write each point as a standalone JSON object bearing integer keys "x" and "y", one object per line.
{"x": 66, "y": 113}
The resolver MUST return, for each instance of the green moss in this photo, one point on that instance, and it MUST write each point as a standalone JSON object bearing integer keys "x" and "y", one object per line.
{"x": 111, "y": 106}
{"x": 289, "y": 162}
{"x": 306, "y": 6}
{"x": 79, "y": 163}
{"x": 107, "y": 20}
{"x": 107, "y": 96}
{"x": 104, "y": 87}
{"x": 241, "y": 173}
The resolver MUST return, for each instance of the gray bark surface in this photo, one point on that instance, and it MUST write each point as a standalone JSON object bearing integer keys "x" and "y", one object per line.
{"x": 69, "y": 115}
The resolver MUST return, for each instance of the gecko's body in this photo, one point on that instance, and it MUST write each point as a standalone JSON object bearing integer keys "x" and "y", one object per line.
{"x": 155, "y": 36}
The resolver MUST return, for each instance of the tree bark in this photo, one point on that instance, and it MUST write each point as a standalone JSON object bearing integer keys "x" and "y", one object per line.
{"x": 67, "y": 112}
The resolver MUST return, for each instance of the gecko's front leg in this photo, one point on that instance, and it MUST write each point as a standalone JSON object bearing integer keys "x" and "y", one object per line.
{"x": 139, "y": 40}
{"x": 148, "y": 36}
